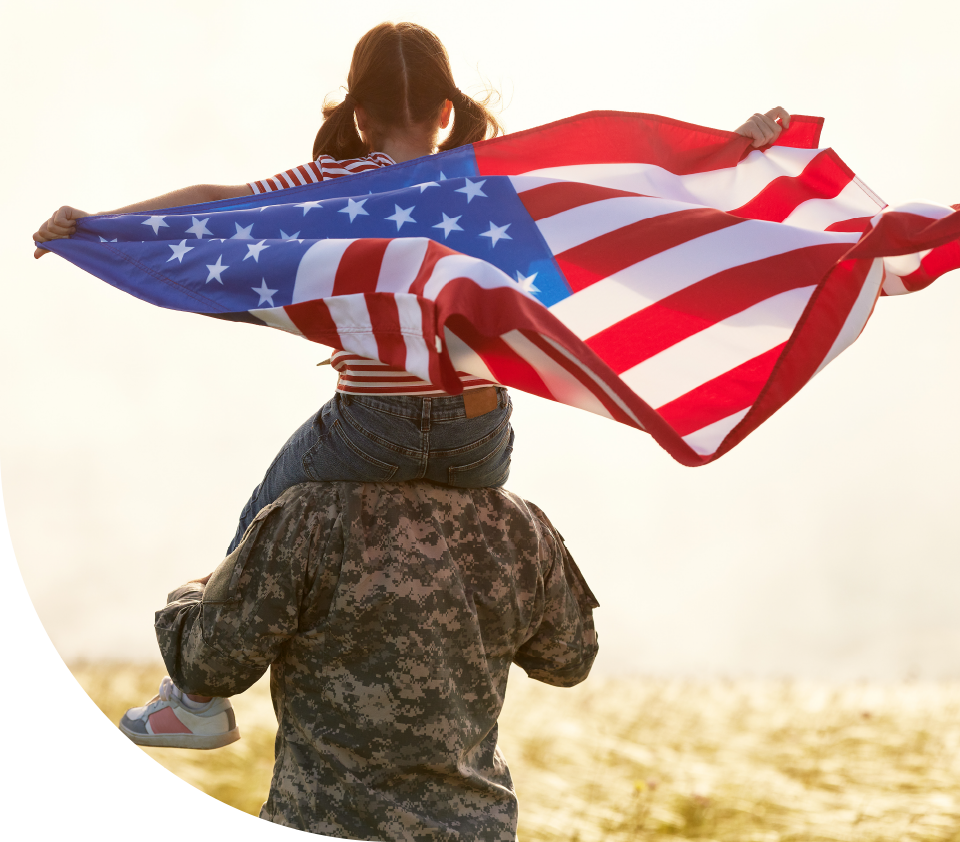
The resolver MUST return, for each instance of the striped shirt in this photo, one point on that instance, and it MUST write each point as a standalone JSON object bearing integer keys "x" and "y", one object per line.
{"x": 360, "y": 376}
{"x": 323, "y": 169}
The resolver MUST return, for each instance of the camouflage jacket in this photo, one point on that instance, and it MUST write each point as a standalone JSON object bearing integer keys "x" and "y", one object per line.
{"x": 390, "y": 615}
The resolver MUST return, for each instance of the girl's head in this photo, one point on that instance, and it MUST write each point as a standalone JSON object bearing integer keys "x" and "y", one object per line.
{"x": 400, "y": 77}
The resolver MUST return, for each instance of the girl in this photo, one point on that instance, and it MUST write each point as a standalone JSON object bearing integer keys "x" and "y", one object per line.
{"x": 382, "y": 423}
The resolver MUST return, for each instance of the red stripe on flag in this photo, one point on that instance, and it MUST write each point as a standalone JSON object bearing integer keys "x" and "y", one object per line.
{"x": 596, "y": 137}
{"x": 504, "y": 363}
{"x": 667, "y": 322}
{"x": 359, "y": 268}
{"x": 385, "y": 321}
{"x": 857, "y": 225}
{"x": 940, "y": 260}
{"x": 823, "y": 178}
{"x": 313, "y": 320}
{"x": 900, "y": 232}
{"x": 434, "y": 252}
{"x": 804, "y": 132}
{"x": 560, "y": 196}
{"x": 602, "y": 256}
{"x": 807, "y": 347}
{"x": 721, "y": 397}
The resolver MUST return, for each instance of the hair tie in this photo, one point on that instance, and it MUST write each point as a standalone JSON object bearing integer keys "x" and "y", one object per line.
{"x": 349, "y": 99}
{"x": 456, "y": 95}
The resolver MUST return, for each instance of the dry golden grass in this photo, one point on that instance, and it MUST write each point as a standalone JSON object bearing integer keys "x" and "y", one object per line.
{"x": 650, "y": 759}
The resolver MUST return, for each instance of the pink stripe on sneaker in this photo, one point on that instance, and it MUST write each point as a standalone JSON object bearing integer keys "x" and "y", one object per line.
{"x": 165, "y": 721}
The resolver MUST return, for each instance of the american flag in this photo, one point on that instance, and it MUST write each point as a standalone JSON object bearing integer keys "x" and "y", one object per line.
{"x": 665, "y": 275}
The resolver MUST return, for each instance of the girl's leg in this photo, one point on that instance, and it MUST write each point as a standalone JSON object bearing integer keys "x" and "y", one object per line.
{"x": 329, "y": 447}
{"x": 285, "y": 471}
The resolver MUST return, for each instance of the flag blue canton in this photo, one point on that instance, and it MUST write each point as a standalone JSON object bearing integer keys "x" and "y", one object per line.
{"x": 243, "y": 254}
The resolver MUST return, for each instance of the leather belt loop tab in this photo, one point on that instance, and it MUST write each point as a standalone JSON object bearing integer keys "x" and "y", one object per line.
{"x": 479, "y": 401}
{"x": 425, "y": 415}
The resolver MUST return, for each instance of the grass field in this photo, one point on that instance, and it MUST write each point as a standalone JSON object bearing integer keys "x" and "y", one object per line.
{"x": 651, "y": 759}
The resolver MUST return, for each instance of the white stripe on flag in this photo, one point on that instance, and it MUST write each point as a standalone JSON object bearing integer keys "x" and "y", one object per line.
{"x": 893, "y": 284}
{"x": 318, "y": 270}
{"x": 717, "y": 349}
{"x": 850, "y": 203}
{"x": 858, "y": 315}
{"x": 277, "y": 317}
{"x": 707, "y": 439}
{"x": 453, "y": 266}
{"x": 723, "y": 189}
{"x": 402, "y": 260}
{"x": 579, "y": 225}
{"x": 904, "y": 264}
{"x": 350, "y": 315}
{"x": 411, "y": 326}
{"x": 563, "y": 386}
{"x": 630, "y": 290}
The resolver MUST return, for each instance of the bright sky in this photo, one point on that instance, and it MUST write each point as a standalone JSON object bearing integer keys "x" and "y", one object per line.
{"x": 824, "y": 545}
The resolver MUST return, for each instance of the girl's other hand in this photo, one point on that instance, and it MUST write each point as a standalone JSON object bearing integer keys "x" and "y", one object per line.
{"x": 763, "y": 129}
{"x": 62, "y": 224}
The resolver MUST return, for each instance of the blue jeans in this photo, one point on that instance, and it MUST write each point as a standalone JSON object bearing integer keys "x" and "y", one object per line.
{"x": 367, "y": 438}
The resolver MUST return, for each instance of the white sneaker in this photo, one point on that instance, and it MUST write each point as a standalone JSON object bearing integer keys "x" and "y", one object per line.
{"x": 171, "y": 721}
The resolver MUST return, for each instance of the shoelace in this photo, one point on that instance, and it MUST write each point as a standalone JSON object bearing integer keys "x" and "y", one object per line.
{"x": 168, "y": 690}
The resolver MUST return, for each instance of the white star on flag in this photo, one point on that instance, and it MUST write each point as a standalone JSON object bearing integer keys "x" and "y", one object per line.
{"x": 449, "y": 224}
{"x": 497, "y": 233}
{"x": 427, "y": 184}
{"x": 105, "y": 240}
{"x": 355, "y": 209}
{"x": 289, "y": 237}
{"x": 254, "y": 251}
{"x": 156, "y": 223}
{"x": 307, "y": 206}
{"x": 215, "y": 270}
{"x": 266, "y": 294}
{"x": 402, "y": 215}
{"x": 242, "y": 233}
{"x": 179, "y": 251}
{"x": 472, "y": 189}
{"x": 199, "y": 227}
{"x": 526, "y": 283}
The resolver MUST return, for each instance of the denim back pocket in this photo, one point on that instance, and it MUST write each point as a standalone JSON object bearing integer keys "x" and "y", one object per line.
{"x": 337, "y": 457}
{"x": 491, "y": 467}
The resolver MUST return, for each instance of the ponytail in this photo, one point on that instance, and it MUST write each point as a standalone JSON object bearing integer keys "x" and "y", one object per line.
{"x": 472, "y": 121}
{"x": 338, "y": 136}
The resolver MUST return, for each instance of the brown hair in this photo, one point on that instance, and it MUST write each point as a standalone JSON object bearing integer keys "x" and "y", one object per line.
{"x": 400, "y": 74}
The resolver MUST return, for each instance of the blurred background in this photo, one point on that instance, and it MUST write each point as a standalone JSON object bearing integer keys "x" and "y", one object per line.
{"x": 825, "y": 546}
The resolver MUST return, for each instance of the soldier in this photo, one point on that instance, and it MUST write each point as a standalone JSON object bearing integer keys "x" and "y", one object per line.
{"x": 390, "y": 615}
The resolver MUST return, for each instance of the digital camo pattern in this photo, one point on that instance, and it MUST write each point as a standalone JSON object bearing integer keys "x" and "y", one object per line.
{"x": 390, "y": 614}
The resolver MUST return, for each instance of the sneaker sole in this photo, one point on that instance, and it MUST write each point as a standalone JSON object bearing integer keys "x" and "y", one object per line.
{"x": 182, "y": 740}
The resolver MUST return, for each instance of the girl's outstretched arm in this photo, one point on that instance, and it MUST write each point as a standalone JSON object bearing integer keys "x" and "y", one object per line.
{"x": 64, "y": 221}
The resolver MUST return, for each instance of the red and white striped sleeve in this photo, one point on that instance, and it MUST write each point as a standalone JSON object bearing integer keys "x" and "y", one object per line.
{"x": 323, "y": 169}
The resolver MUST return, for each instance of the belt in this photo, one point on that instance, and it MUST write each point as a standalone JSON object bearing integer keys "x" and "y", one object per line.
{"x": 478, "y": 402}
